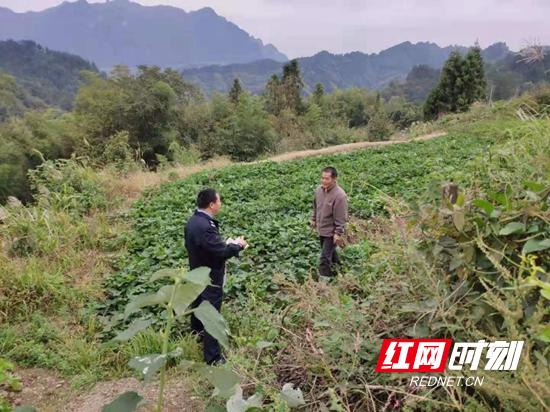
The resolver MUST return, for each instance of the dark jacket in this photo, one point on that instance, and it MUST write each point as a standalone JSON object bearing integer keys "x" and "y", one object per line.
{"x": 206, "y": 247}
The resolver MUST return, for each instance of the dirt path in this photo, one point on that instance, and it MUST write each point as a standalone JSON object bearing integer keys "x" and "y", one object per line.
{"x": 349, "y": 147}
{"x": 47, "y": 392}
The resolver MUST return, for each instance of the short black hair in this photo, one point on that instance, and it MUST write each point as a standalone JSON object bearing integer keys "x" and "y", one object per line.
{"x": 331, "y": 170}
{"x": 205, "y": 197}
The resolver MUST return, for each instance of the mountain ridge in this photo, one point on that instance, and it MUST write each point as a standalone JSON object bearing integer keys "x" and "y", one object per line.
{"x": 336, "y": 71}
{"x": 125, "y": 32}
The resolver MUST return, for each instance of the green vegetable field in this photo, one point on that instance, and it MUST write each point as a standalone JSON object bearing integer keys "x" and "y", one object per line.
{"x": 410, "y": 270}
{"x": 270, "y": 203}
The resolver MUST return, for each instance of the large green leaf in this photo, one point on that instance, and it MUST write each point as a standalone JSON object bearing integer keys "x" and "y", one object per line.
{"x": 544, "y": 335}
{"x": 200, "y": 276}
{"x": 148, "y": 365}
{"x": 534, "y": 186}
{"x": 127, "y": 402}
{"x": 167, "y": 273}
{"x": 512, "y": 227}
{"x": 224, "y": 380}
{"x": 213, "y": 322}
{"x": 185, "y": 294}
{"x": 163, "y": 295}
{"x": 535, "y": 245}
{"x": 293, "y": 397}
{"x": 134, "y": 328}
{"x": 238, "y": 404}
{"x": 487, "y": 207}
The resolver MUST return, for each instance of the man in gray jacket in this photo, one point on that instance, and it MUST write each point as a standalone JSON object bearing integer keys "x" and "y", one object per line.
{"x": 330, "y": 214}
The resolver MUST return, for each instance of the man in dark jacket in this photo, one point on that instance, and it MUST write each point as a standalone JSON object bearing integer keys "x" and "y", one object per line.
{"x": 206, "y": 247}
{"x": 329, "y": 217}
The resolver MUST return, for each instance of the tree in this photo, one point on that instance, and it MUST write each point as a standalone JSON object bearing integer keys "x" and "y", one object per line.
{"x": 285, "y": 92}
{"x": 449, "y": 95}
{"x": 274, "y": 97}
{"x": 452, "y": 84}
{"x": 402, "y": 113}
{"x": 474, "y": 76}
{"x": 461, "y": 83}
{"x": 292, "y": 85}
{"x": 318, "y": 94}
{"x": 148, "y": 105}
{"x": 235, "y": 91}
{"x": 26, "y": 141}
{"x": 247, "y": 133}
{"x": 15, "y": 100}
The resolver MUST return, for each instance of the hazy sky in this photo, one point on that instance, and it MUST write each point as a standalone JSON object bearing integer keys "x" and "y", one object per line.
{"x": 304, "y": 27}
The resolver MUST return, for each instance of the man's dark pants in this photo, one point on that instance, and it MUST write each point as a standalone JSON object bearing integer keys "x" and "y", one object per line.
{"x": 211, "y": 347}
{"x": 329, "y": 257}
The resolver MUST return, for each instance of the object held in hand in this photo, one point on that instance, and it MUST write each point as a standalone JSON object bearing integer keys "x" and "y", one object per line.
{"x": 239, "y": 241}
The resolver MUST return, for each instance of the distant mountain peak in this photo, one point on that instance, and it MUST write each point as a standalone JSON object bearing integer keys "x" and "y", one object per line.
{"x": 126, "y": 32}
{"x": 206, "y": 10}
{"x": 75, "y": 3}
{"x": 322, "y": 53}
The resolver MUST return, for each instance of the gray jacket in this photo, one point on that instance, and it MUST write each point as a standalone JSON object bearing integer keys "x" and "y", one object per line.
{"x": 330, "y": 210}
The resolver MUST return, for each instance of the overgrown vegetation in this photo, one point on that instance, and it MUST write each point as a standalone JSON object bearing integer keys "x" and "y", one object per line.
{"x": 154, "y": 117}
{"x": 416, "y": 267}
{"x": 72, "y": 259}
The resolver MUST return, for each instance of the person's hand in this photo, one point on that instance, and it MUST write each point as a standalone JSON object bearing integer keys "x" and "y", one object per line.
{"x": 243, "y": 243}
{"x": 312, "y": 224}
{"x": 337, "y": 239}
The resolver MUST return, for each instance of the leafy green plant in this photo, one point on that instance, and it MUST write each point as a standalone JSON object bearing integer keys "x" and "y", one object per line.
{"x": 175, "y": 299}
{"x": 493, "y": 249}
{"x": 7, "y": 381}
{"x": 280, "y": 242}
{"x": 423, "y": 262}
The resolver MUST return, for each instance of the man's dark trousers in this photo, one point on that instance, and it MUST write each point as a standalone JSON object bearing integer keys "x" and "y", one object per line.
{"x": 211, "y": 347}
{"x": 329, "y": 257}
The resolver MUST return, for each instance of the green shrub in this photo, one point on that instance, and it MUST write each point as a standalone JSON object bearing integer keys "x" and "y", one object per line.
{"x": 68, "y": 184}
{"x": 380, "y": 127}
{"x": 247, "y": 133}
{"x": 117, "y": 151}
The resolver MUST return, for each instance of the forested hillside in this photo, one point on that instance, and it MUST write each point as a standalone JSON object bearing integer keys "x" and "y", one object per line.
{"x": 43, "y": 76}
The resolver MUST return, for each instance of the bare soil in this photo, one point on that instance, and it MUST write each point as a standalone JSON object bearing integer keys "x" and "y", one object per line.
{"x": 47, "y": 392}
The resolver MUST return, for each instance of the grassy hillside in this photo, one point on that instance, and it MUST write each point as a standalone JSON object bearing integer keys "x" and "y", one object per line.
{"x": 414, "y": 267}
